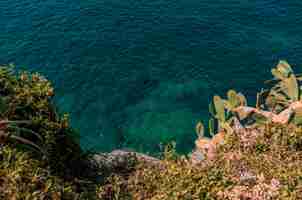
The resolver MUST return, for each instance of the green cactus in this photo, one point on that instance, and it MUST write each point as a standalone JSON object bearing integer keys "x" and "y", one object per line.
{"x": 219, "y": 109}
{"x": 199, "y": 130}
{"x": 277, "y": 74}
{"x": 292, "y": 87}
{"x": 242, "y": 99}
{"x": 284, "y": 68}
{"x": 234, "y": 100}
{"x": 212, "y": 109}
{"x": 212, "y": 126}
{"x": 226, "y": 127}
{"x": 286, "y": 90}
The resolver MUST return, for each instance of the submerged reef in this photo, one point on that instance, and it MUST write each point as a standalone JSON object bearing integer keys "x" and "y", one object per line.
{"x": 255, "y": 152}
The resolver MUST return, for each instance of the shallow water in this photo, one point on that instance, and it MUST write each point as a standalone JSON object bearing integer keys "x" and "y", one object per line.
{"x": 139, "y": 73}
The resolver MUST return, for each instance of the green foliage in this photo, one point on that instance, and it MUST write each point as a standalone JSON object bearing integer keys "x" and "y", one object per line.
{"x": 234, "y": 100}
{"x": 220, "y": 114}
{"x": 262, "y": 161}
{"x": 34, "y": 138}
{"x": 286, "y": 88}
{"x": 23, "y": 177}
{"x": 199, "y": 130}
{"x": 27, "y": 97}
{"x": 211, "y": 126}
{"x": 285, "y": 91}
{"x": 222, "y": 111}
{"x": 177, "y": 179}
{"x": 217, "y": 110}
{"x": 259, "y": 161}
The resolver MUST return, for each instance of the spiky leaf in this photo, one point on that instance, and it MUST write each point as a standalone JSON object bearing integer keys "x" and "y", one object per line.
{"x": 219, "y": 108}
{"x": 212, "y": 126}
{"x": 212, "y": 109}
{"x": 199, "y": 130}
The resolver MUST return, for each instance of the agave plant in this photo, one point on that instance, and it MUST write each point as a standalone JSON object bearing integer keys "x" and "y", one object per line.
{"x": 10, "y": 131}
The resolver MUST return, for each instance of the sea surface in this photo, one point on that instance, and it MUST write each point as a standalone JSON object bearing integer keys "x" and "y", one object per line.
{"x": 139, "y": 73}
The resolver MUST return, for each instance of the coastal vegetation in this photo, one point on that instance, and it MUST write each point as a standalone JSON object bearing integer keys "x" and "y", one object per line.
{"x": 40, "y": 156}
{"x": 255, "y": 152}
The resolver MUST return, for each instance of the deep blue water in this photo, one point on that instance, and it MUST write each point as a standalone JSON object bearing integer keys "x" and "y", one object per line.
{"x": 136, "y": 73}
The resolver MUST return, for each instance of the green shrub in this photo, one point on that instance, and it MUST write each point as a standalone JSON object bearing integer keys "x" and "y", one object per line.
{"x": 36, "y": 141}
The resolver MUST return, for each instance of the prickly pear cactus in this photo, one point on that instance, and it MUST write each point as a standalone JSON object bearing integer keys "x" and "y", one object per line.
{"x": 212, "y": 109}
{"x": 219, "y": 109}
{"x": 199, "y": 130}
{"x": 226, "y": 127}
{"x": 286, "y": 90}
{"x": 234, "y": 100}
{"x": 284, "y": 68}
{"x": 212, "y": 126}
{"x": 242, "y": 99}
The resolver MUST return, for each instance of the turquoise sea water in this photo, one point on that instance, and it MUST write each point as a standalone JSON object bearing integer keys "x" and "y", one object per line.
{"x": 136, "y": 73}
